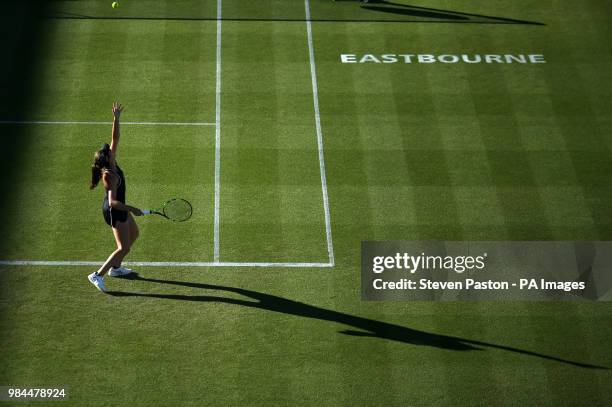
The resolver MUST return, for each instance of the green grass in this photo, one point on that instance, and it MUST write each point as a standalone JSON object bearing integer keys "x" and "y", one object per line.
{"x": 448, "y": 152}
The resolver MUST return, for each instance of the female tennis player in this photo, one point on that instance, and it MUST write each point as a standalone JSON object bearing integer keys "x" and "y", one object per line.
{"x": 116, "y": 213}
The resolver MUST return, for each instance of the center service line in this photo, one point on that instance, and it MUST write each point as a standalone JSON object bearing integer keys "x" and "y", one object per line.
{"x": 217, "y": 135}
{"x": 315, "y": 95}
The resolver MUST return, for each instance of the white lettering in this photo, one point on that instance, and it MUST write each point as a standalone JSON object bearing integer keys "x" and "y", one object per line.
{"x": 466, "y": 58}
{"x": 517, "y": 58}
{"x": 537, "y": 59}
{"x": 448, "y": 59}
{"x": 377, "y": 266}
{"x": 348, "y": 58}
{"x": 389, "y": 58}
{"x": 445, "y": 58}
{"x": 407, "y": 58}
{"x": 493, "y": 58}
{"x": 426, "y": 59}
{"x": 369, "y": 58}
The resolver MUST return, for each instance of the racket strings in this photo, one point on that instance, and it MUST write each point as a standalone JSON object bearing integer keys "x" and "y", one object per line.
{"x": 178, "y": 210}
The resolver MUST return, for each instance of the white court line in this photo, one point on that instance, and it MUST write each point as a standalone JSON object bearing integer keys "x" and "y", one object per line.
{"x": 108, "y": 122}
{"x": 315, "y": 94}
{"x": 217, "y": 136}
{"x": 158, "y": 264}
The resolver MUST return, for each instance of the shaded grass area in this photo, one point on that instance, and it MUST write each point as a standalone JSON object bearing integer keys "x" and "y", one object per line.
{"x": 22, "y": 43}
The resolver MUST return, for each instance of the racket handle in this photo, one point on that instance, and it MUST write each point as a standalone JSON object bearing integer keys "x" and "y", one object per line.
{"x": 146, "y": 212}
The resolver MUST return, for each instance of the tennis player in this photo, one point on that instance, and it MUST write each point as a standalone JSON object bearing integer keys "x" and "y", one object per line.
{"x": 116, "y": 213}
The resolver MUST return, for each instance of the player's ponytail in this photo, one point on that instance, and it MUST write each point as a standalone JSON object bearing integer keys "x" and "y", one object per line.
{"x": 101, "y": 161}
{"x": 96, "y": 174}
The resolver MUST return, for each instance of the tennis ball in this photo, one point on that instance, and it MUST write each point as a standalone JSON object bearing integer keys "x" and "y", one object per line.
{"x": 115, "y": 4}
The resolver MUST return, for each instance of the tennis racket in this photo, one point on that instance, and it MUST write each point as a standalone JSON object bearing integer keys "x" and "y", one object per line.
{"x": 177, "y": 210}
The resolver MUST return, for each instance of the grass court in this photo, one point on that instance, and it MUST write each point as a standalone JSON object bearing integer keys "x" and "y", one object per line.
{"x": 291, "y": 158}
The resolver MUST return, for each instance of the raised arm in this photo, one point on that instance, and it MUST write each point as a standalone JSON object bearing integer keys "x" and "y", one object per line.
{"x": 117, "y": 109}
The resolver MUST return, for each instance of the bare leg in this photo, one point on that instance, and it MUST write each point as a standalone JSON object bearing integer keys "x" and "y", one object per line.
{"x": 122, "y": 237}
{"x": 134, "y": 232}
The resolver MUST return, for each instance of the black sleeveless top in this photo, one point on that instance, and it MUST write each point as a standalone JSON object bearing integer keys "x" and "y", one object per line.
{"x": 120, "y": 187}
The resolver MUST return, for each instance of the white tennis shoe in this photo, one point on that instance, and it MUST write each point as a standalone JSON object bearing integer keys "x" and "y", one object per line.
{"x": 119, "y": 271}
{"x": 97, "y": 281}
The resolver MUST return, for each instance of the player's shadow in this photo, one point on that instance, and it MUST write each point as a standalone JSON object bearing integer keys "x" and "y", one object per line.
{"x": 359, "y": 326}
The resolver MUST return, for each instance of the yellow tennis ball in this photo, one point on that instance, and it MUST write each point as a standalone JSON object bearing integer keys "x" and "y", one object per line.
{"x": 115, "y": 4}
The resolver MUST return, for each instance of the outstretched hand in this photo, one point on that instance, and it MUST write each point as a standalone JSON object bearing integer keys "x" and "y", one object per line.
{"x": 117, "y": 109}
{"x": 136, "y": 211}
